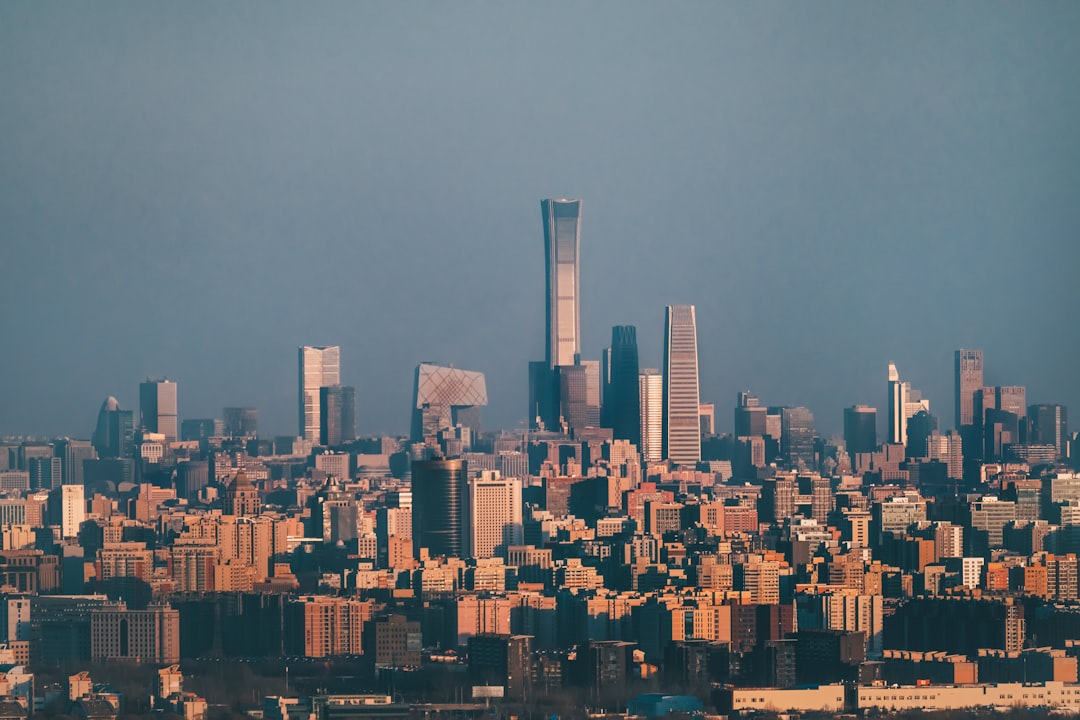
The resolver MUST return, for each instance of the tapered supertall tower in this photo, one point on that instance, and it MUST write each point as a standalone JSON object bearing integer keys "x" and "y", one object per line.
{"x": 682, "y": 429}
{"x": 562, "y": 235}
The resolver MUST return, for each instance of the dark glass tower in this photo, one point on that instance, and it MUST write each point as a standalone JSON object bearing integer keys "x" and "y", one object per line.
{"x": 114, "y": 434}
{"x": 337, "y": 415}
{"x": 622, "y": 404}
{"x": 860, "y": 430}
{"x": 440, "y": 507}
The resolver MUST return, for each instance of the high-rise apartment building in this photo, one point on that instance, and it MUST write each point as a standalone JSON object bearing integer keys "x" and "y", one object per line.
{"x": 157, "y": 408}
{"x": 151, "y": 635}
{"x": 681, "y": 424}
{"x": 319, "y": 367}
{"x": 622, "y": 402}
{"x": 73, "y": 507}
{"x": 440, "y": 507}
{"x": 337, "y": 414}
{"x": 562, "y": 235}
{"x": 494, "y": 515}
{"x": 651, "y": 396}
{"x": 860, "y": 430}
{"x": 969, "y": 380}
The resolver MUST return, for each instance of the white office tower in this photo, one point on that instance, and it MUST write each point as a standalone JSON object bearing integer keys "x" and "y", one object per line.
{"x": 651, "y": 392}
{"x": 319, "y": 367}
{"x": 494, "y": 515}
{"x": 682, "y": 427}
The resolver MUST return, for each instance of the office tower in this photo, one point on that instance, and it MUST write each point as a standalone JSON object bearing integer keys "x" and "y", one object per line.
{"x": 579, "y": 395}
{"x": 446, "y": 397}
{"x": 919, "y": 428}
{"x": 969, "y": 380}
{"x": 72, "y": 508}
{"x": 797, "y": 437}
{"x": 622, "y": 404}
{"x": 707, "y": 419}
{"x": 46, "y": 473}
{"x": 440, "y": 507}
{"x": 749, "y": 415}
{"x": 651, "y": 394}
{"x": 72, "y": 453}
{"x": 494, "y": 515}
{"x": 682, "y": 429}
{"x": 860, "y": 430}
{"x": 241, "y": 422}
{"x": 157, "y": 408}
{"x": 319, "y": 367}
{"x": 1049, "y": 426}
{"x": 897, "y": 400}
{"x": 562, "y": 235}
{"x": 337, "y": 414}
{"x": 201, "y": 428}
{"x": 1011, "y": 399}
{"x": 114, "y": 433}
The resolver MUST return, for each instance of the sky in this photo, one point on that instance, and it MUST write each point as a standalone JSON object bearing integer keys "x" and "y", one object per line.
{"x": 194, "y": 190}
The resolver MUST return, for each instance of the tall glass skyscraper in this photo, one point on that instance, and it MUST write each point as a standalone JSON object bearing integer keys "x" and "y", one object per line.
{"x": 622, "y": 404}
{"x": 682, "y": 429}
{"x": 562, "y": 236}
{"x": 319, "y": 367}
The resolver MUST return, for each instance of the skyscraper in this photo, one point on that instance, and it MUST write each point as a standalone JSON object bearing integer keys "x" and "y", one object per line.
{"x": 157, "y": 408}
{"x": 797, "y": 437}
{"x": 682, "y": 429}
{"x": 651, "y": 394}
{"x": 337, "y": 414}
{"x": 440, "y": 507}
{"x": 622, "y": 403}
{"x": 241, "y": 422}
{"x": 562, "y": 235}
{"x": 115, "y": 432}
{"x": 860, "y": 430}
{"x": 446, "y": 397}
{"x": 1049, "y": 426}
{"x": 969, "y": 380}
{"x": 897, "y": 434}
{"x": 319, "y": 367}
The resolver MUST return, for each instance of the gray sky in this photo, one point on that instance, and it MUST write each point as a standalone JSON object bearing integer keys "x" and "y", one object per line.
{"x": 195, "y": 189}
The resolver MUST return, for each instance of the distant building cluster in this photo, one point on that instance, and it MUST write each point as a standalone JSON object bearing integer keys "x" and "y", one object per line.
{"x": 618, "y": 547}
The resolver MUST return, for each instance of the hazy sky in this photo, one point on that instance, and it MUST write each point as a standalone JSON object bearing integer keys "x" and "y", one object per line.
{"x": 196, "y": 189}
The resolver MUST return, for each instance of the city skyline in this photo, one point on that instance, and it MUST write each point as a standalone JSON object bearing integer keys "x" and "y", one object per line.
{"x": 833, "y": 189}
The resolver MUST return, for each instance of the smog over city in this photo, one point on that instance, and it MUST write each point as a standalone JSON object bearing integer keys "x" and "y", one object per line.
{"x": 475, "y": 360}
